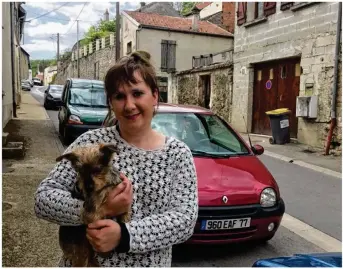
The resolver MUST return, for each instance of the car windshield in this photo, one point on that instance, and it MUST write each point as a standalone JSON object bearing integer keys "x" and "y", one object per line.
{"x": 91, "y": 96}
{"x": 56, "y": 89}
{"x": 205, "y": 135}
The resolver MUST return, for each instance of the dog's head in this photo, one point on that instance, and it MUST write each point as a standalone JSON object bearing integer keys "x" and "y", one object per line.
{"x": 92, "y": 164}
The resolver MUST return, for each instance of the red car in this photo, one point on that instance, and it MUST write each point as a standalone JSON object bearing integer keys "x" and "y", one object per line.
{"x": 239, "y": 200}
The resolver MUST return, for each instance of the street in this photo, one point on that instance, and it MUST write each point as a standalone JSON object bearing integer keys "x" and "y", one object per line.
{"x": 312, "y": 198}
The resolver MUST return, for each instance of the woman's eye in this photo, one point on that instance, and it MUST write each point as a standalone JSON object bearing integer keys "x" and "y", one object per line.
{"x": 137, "y": 94}
{"x": 119, "y": 96}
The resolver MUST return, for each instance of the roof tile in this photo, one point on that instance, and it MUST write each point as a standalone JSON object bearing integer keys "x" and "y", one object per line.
{"x": 175, "y": 23}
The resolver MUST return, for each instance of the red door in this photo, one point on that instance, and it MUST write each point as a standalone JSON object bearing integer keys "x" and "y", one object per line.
{"x": 276, "y": 85}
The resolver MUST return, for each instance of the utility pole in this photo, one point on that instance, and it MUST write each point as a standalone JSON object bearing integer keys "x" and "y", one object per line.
{"x": 78, "y": 51}
{"x": 58, "y": 47}
{"x": 117, "y": 32}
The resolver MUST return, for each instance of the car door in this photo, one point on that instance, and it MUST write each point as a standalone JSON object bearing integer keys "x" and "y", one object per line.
{"x": 62, "y": 114}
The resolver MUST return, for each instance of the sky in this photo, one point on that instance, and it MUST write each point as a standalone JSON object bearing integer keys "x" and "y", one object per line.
{"x": 40, "y": 34}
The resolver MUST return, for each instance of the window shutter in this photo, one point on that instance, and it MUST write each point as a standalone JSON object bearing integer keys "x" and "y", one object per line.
{"x": 241, "y": 13}
{"x": 286, "y": 5}
{"x": 171, "y": 55}
{"x": 269, "y": 8}
{"x": 164, "y": 55}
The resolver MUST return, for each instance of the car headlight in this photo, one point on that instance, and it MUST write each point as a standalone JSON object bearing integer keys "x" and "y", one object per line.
{"x": 268, "y": 197}
{"x": 75, "y": 119}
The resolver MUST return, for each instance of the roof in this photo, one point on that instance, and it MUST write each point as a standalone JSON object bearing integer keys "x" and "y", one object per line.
{"x": 155, "y": 21}
{"x": 203, "y": 5}
{"x": 25, "y": 51}
{"x": 177, "y": 108}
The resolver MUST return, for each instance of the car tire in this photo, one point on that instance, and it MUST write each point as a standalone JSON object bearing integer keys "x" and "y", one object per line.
{"x": 46, "y": 106}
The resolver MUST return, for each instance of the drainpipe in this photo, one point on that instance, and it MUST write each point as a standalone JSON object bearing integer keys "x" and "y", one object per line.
{"x": 334, "y": 91}
{"x": 13, "y": 63}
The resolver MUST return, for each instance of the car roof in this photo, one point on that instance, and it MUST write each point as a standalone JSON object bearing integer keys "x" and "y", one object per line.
{"x": 80, "y": 80}
{"x": 178, "y": 108}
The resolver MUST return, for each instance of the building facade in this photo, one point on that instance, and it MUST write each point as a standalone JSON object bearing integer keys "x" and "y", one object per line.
{"x": 284, "y": 53}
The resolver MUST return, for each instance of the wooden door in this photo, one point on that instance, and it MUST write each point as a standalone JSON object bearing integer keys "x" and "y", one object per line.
{"x": 276, "y": 85}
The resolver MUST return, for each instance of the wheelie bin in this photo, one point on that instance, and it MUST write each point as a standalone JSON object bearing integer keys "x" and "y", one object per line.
{"x": 279, "y": 123}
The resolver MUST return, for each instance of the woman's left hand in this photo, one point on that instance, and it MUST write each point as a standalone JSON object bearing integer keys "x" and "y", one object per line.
{"x": 104, "y": 235}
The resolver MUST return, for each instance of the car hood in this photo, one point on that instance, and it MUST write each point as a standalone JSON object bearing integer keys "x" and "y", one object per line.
{"x": 241, "y": 179}
{"x": 90, "y": 115}
{"x": 55, "y": 95}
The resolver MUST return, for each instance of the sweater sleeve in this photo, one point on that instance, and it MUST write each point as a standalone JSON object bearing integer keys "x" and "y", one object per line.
{"x": 175, "y": 225}
{"x": 53, "y": 200}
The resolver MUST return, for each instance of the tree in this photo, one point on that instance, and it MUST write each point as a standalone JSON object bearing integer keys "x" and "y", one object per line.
{"x": 102, "y": 29}
{"x": 184, "y": 7}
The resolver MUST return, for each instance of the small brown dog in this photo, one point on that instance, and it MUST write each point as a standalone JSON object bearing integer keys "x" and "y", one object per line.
{"x": 95, "y": 179}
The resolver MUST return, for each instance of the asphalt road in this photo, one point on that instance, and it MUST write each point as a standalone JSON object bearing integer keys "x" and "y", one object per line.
{"x": 311, "y": 197}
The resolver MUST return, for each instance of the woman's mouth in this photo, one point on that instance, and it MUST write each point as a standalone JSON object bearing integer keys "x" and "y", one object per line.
{"x": 133, "y": 117}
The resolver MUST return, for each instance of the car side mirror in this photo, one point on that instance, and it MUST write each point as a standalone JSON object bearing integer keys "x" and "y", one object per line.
{"x": 257, "y": 149}
{"x": 46, "y": 91}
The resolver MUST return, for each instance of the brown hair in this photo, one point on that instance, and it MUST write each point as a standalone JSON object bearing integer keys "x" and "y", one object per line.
{"x": 123, "y": 73}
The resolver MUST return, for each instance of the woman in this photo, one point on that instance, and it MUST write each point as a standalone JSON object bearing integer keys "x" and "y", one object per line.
{"x": 161, "y": 187}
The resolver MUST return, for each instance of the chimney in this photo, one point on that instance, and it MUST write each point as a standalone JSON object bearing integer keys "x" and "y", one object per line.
{"x": 142, "y": 4}
{"x": 195, "y": 18}
{"x": 106, "y": 15}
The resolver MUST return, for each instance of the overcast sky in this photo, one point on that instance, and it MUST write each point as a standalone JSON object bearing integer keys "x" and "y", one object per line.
{"x": 40, "y": 34}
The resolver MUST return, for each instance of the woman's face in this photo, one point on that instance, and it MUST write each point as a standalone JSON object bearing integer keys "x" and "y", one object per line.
{"x": 133, "y": 105}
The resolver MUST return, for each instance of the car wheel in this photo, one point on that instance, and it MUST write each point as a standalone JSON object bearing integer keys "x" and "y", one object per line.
{"x": 46, "y": 106}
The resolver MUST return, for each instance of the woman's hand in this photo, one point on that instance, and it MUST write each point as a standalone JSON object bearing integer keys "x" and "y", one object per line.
{"x": 119, "y": 200}
{"x": 104, "y": 235}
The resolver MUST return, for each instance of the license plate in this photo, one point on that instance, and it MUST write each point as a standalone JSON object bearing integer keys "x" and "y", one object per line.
{"x": 225, "y": 224}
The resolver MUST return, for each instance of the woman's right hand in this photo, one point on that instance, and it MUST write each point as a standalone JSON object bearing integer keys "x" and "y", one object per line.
{"x": 119, "y": 200}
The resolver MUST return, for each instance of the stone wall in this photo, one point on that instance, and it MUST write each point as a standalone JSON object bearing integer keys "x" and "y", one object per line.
{"x": 92, "y": 66}
{"x": 187, "y": 88}
{"x": 309, "y": 33}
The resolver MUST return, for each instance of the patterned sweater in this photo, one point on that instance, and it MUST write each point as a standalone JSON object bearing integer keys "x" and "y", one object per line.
{"x": 165, "y": 199}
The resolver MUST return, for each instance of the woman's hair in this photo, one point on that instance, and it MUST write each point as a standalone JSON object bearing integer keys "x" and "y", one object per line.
{"x": 123, "y": 73}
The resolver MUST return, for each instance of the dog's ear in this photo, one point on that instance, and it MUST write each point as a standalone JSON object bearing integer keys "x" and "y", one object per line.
{"x": 107, "y": 151}
{"x": 72, "y": 157}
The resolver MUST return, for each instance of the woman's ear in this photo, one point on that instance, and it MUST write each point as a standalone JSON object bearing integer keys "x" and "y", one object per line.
{"x": 156, "y": 96}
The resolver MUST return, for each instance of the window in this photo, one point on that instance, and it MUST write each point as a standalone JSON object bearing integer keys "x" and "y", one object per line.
{"x": 259, "y": 10}
{"x": 254, "y": 12}
{"x": 129, "y": 47}
{"x": 168, "y": 55}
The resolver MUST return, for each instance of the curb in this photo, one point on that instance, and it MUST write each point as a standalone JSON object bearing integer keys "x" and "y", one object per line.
{"x": 304, "y": 164}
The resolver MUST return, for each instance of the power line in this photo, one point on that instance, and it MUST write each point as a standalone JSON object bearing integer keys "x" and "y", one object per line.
{"x": 48, "y": 12}
{"x": 77, "y": 17}
{"x": 50, "y": 18}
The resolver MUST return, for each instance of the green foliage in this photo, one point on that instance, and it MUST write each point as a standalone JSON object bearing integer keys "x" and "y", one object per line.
{"x": 187, "y": 7}
{"x": 42, "y": 65}
{"x": 102, "y": 29}
{"x": 53, "y": 78}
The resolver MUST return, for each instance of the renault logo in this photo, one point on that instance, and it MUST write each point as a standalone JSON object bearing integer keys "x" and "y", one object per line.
{"x": 225, "y": 199}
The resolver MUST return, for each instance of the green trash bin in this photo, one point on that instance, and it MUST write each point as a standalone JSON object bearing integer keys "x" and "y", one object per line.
{"x": 279, "y": 123}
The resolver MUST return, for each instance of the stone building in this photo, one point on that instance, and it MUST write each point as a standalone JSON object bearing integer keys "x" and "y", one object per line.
{"x": 207, "y": 84}
{"x": 13, "y": 19}
{"x": 283, "y": 51}
{"x": 171, "y": 41}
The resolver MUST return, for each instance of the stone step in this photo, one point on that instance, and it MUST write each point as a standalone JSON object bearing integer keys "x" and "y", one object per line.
{"x": 4, "y": 138}
{"x": 13, "y": 150}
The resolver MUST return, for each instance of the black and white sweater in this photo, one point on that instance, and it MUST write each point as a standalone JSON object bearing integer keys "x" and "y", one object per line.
{"x": 165, "y": 199}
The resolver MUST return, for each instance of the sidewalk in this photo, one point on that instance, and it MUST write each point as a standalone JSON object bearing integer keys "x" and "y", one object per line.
{"x": 299, "y": 154}
{"x": 27, "y": 240}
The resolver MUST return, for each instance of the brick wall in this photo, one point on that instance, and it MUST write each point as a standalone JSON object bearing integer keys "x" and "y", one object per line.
{"x": 309, "y": 33}
{"x": 228, "y": 16}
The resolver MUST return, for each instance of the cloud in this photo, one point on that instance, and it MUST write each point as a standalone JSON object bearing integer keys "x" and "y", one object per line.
{"x": 36, "y": 45}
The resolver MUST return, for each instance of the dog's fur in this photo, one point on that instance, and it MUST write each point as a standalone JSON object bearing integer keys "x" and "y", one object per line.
{"x": 95, "y": 179}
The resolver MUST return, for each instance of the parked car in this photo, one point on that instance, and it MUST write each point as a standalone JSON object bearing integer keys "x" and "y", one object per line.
{"x": 327, "y": 259}
{"x": 25, "y": 85}
{"x": 53, "y": 96}
{"x": 83, "y": 107}
{"x": 239, "y": 200}
{"x": 37, "y": 81}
